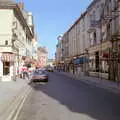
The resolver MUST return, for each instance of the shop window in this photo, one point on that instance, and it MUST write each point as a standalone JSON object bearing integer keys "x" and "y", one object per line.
{"x": 6, "y": 68}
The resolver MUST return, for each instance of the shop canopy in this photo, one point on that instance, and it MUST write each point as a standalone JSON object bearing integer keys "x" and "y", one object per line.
{"x": 7, "y": 57}
{"x": 80, "y": 60}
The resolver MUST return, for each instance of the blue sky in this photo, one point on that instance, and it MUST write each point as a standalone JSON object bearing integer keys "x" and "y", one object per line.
{"x": 53, "y": 17}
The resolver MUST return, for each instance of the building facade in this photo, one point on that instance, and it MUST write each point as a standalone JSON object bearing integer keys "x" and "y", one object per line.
{"x": 104, "y": 23}
{"x": 50, "y": 62}
{"x": 91, "y": 44}
{"x": 75, "y": 43}
{"x": 59, "y": 53}
{"x": 42, "y": 57}
{"x": 97, "y": 63}
{"x": 15, "y": 40}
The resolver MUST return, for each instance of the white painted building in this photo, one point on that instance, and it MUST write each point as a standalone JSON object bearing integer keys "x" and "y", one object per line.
{"x": 15, "y": 40}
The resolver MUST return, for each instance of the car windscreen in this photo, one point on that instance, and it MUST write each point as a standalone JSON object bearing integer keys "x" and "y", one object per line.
{"x": 39, "y": 72}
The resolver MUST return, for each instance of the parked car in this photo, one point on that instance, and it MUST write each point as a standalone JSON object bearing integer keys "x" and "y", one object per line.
{"x": 50, "y": 69}
{"x": 39, "y": 76}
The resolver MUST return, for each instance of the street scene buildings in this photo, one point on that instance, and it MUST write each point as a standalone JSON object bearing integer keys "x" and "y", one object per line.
{"x": 91, "y": 45}
{"x": 42, "y": 57}
{"x": 82, "y": 80}
{"x": 18, "y": 41}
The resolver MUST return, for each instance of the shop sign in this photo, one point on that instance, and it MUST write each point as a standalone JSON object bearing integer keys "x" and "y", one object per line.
{"x": 80, "y": 60}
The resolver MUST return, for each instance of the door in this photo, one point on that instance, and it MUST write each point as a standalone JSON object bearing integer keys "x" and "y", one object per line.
{"x": 97, "y": 61}
{"x": 6, "y": 68}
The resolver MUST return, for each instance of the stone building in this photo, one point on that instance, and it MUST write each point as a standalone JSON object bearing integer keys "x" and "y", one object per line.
{"x": 103, "y": 19}
{"x": 75, "y": 43}
{"x": 96, "y": 46}
{"x": 91, "y": 44}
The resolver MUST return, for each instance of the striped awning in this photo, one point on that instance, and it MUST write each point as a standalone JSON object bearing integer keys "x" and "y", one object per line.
{"x": 7, "y": 57}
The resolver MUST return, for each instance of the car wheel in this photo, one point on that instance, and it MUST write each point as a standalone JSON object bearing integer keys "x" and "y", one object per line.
{"x": 46, "y": 80}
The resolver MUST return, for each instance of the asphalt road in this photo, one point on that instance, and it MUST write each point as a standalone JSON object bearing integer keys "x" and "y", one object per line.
{"x": 65, "y": 99}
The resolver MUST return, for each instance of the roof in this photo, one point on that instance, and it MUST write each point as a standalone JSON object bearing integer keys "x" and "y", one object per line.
{"x": 50, "y": 60}
{"x": 42, "y": 50}
{"x": 81, "y": 16}
{"x": 93, "y": 3}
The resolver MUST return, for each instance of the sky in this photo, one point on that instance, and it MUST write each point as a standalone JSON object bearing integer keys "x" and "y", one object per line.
{"x": 52, "y": 18}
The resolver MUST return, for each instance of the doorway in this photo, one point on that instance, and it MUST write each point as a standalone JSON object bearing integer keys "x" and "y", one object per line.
{"x": 97, "y": 61}
{"x": 6, "y": 68}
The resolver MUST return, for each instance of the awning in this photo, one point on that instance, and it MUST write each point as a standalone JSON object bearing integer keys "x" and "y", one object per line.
{"x": 105, "y": 55}
{"x": 7, "y": 57}
{"x": 80, "y": 60}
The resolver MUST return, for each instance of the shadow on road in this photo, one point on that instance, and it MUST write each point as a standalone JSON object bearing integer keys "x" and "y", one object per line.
{"x": 82, "y": 98}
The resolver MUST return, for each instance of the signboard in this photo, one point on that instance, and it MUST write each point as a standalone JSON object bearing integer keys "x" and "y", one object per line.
{"x": 80, "y": 60}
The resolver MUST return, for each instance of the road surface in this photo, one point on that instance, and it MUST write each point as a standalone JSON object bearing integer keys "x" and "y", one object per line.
{"x": 65, "y": 99}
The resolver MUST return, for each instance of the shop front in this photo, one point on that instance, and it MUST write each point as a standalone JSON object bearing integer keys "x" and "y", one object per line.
{"x": 99, "y": 64}
{"x": 67, "y": 64}
{"x": 7, "y": 66}
{"x": 104, "y": 61}
{"x": 80, "y": 65}
{"x": 99, "y": 60}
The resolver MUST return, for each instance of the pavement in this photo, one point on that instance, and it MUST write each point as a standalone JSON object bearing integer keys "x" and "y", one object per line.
{"x": 65, "y": 98}
{"x": 99, "y": 82}
{"x": 9, "y": 94}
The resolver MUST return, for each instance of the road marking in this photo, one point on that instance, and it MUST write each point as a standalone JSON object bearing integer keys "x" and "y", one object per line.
{"x": 15, "y": 107}
{"x": 21, "y": 105}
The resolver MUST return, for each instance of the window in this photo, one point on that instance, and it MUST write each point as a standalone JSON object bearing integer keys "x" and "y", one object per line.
{"x": 101, "y": 8}
{"x": 6, "y": 42}
{"x": 94, "y": 37}
{"x": 15, "y": 25}
{"x": 94, "y": 16}
{"x": 108, "y": 30}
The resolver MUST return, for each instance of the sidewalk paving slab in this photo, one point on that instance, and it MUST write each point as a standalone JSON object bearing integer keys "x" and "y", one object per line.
{"x": 103, "y": 83}
{"x": 9, "y": 91}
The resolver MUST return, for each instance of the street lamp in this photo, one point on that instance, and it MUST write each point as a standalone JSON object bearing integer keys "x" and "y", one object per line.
{"x": 59, "y": 37}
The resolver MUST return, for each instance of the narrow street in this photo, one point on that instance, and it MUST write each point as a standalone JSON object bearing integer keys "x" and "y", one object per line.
{"x": 65, "y": 99}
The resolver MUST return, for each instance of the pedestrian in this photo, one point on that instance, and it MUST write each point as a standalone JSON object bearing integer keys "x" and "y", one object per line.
{"x": 21, "y": 72}
{"x": 25, "y": 72}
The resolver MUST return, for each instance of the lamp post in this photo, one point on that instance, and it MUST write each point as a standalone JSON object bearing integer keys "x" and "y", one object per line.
{"x": 87, "y": 62}
{"x": 59, "y": 38}
{"x": 16, "y": 64}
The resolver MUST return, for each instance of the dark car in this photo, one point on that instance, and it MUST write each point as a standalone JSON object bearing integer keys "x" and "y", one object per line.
{"x": 39, "y": 76}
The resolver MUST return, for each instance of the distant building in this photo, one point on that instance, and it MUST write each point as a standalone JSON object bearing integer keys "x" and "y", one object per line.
{"x": 42, "y": 57}
{"x": 50, "y": 62}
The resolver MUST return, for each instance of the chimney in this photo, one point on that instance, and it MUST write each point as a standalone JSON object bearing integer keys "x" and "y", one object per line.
{"x": 21, "y": 5}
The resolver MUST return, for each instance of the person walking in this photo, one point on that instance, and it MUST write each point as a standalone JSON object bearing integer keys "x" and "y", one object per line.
{"x": 25, "y": 72}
